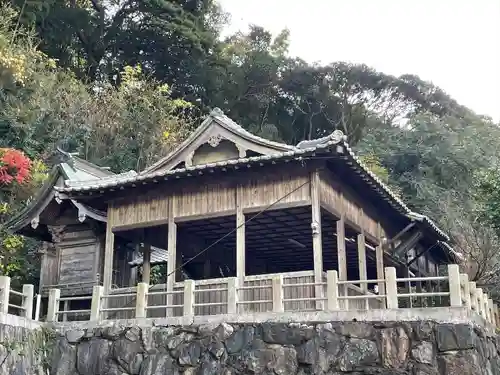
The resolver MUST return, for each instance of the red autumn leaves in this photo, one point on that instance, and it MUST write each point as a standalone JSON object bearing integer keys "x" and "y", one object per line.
{"x": 14, "y": 166}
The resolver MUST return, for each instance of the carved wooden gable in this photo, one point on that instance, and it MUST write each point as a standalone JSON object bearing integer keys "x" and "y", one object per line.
{"x": 217, "y": 139}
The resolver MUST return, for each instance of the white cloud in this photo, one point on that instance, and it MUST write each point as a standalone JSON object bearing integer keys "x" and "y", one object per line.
{"x": 453, "y": 43}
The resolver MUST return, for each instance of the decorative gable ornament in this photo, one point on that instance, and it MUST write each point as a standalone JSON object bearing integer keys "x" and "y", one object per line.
{"x": 214, "y": 140}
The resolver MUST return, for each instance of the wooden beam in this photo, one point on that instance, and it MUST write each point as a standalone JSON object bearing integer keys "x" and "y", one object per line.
{"x": 146, "y": 264}
{"x": 240, "y": 237}
{"x": 341, "y": 249}
{"x": 363, "y": 273}
{"x": 379, "y": 259}
{"x": 173, "y": 258}
{"x": 109, "y": 249}
{"x": 317, "y": 236}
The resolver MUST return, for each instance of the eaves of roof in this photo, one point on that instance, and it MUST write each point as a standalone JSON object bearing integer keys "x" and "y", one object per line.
{"x": 38, "y": 203}
{"x": 132, "y": 180}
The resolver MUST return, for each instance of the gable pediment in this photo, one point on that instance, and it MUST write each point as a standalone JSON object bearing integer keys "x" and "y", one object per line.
{"x": 217, "y": 139}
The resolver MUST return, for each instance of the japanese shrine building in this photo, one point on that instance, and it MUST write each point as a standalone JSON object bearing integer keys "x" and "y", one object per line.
{"x": 227, "y": 203}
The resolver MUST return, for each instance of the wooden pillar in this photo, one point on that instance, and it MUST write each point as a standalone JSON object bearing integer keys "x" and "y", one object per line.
{"x": 146, "y": 263}
{"x": 109, "y": 249}
{"x": 341, "y": 250}
{"x": 379, "y": 260}
{"x": 240, "y": 238}
{"x": 133, "y": 272}
{"x": 172, "y": 260}
{"x": 363, "y": 273}
{"x": 317, "y": 238}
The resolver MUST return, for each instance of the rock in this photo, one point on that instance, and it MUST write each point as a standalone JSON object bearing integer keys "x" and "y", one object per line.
{"x": 147, "y": 339}
{"x": 133, "y": 334}
{"x": 283, "y": 334}
{"x": 256, "y": 361}
{"x": 92, "y": 357}
{"x": 240, "y": 339}
{"x": 491, "y": 349}
{"x": 422, "y": 369}
{"x": 128, "y": 354}
{"x": 174, "y": 342}
{"x": 209, "y": 367}
{"x": 423, "y": 331}
{"x": 216, "y": 349}
{"x": 63, "y": 358}
{"x": 423, "y": 353}
{"x": 307, "y": 353}
{"x": 90, "y": 333}
{"x": 460, "y": 363}
{"x": 358, "y": 353}
{"x": 223, "y": 331}
{"x": 112, "y": 332}
{"x": 395, "y": 346}
{"x": 207, "y": 329}
{"x": 74, "y": 336}
{"x": 190, "y": 353}
{"x": 284, "y": 361}
{"x": 332, "y": 342}
{"x": 454, "y": 337}
{"x": 160, "y": 363}
{"x": 356, "y": 329}
{"x": 166, "y": 338}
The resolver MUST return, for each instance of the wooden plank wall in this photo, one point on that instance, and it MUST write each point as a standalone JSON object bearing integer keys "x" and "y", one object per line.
{"x": 336, "y": 197}
{"x": 78, "y": 260}
{"x": 49, "y": 271}
{"x": 209, "y": 197}
{"x": 262, "y": 190}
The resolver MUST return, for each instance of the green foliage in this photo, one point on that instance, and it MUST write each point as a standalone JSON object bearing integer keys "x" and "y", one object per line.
{"x": 487, "y": 196}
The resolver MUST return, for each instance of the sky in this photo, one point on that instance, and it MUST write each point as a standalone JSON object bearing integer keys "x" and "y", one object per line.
{"x": 453, "y": 43}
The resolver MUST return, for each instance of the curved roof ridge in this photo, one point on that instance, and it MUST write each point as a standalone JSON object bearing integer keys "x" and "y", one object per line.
{"x": 217, "y": 116}
{"x": 217, "y": 113}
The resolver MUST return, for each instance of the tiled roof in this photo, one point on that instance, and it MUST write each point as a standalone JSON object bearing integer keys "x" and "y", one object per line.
{"x": 158, "y": 256}
{"x": 301, "y": 151}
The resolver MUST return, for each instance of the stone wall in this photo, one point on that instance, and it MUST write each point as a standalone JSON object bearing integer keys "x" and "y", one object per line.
{"x": 23, "y": 350}
{"x": 423, "y": 348}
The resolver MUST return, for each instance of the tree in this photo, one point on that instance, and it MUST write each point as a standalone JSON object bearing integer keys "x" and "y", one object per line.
{"x": 43, "y": 106}
{"x": 19, "y": 179}
{"x": 97, "y": 39}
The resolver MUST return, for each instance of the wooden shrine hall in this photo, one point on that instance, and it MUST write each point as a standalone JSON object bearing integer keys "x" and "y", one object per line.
{"x": 225, "y": 204}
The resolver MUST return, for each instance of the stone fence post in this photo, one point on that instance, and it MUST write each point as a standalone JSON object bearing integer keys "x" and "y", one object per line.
{"x": 454, "y": 285}
{"x": 28, "y": 295}
{"x": 4, "y": 294}
{"x": 480, "y": 301}
{"x": 464, "y": 282}
{"x": 141, "y": 300}
{"x": 278, "y": 295}
{"x": 332, "y": 290}
{"x": 189, "y": 298}
{"x": 53, "y": 307}
{"x": 473, "y": 297}
{"x": 38, "y": 306}
{"x": 232, "y": 295}
{"x": 96, "y": 306}
{"x": 391, "y": 288}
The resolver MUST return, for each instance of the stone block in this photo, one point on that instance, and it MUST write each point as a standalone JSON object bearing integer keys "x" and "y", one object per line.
{"x": 454, "y": 337}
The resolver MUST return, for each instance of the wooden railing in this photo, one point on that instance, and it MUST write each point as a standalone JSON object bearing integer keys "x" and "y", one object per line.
{"x": 14, "y": 302}
{"x": 287, "y": 292}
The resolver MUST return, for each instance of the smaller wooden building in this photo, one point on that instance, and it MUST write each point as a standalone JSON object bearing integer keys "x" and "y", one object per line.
{"x": 227, "y": 203}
